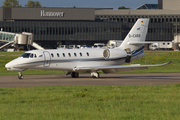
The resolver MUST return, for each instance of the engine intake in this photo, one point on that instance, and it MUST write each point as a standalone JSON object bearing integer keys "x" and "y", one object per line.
{"x": 114, "y": 54}
{"x": 106, "y": 54}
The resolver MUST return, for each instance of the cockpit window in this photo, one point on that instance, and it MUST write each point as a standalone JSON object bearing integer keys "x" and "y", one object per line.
{"x": 31, "y": 56}
{"x": 25, "y": 55}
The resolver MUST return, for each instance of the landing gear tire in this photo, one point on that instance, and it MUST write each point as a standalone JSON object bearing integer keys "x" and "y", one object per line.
{"x": 74, "y": 75}
{"x": 20, "y": 76}
{"x": 95, "y": 75}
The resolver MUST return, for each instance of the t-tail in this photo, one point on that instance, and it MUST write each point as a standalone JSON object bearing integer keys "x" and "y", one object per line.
{"x": 134, "y": 41}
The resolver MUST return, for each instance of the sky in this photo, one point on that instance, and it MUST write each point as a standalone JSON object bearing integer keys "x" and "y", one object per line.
{"x": 90, "y": 3}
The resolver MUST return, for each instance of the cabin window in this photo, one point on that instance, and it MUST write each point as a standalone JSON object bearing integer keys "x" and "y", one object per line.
{"x": 80, "y": 54}
{"x": 52, "y": 55}
{"x": 25, "y": 55}
{"x": 63, "y": 55}
{"x": 31, "y": 56}
{"x": 87, "y": 54}
{"x": 69, "y": 54}
{"x": 57, "y": 54}
{"x": 75, "y": 54}
{"x": 35, "y": 56}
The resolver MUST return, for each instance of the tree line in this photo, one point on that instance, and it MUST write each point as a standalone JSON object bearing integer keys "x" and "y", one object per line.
{"x": 15, "y": 3}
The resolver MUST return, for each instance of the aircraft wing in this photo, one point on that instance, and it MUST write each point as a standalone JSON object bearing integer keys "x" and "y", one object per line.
{"x": 121, "y": 68}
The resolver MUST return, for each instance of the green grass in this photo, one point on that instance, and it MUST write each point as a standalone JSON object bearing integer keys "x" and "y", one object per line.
{"x": 151, "y": 57}
{"x": 147, "y": 102}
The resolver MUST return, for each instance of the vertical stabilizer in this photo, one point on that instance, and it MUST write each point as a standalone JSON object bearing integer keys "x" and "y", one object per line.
{"x": 136, "y": 35}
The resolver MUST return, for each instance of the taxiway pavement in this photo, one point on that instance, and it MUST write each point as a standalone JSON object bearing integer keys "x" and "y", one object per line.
{"x": 86, "y": 79}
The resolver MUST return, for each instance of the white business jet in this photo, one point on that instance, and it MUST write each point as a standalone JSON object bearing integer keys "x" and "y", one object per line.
{"x": 87, "y": 60}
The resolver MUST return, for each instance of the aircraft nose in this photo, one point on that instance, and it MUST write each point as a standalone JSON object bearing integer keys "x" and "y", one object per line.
{"x": 13, "y": 66}
{"x": 10, "y": 65}
{"x": 7, "y": 65}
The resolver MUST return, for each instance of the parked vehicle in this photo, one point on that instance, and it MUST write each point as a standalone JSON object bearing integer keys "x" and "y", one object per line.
{"x": 153, "y": 47}
{"x": 62, "y": 47}
{"x": 114, "y": 43}
{"x": 86, "y": 46}
{"x": 74, "y": 46}
{"x": 161, "y": 46}
{"x": 98, "y": 45}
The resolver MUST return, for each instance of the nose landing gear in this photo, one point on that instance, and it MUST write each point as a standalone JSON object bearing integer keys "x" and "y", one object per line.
{"x": 20, "y": 76}
{"x": 95, "y": 74}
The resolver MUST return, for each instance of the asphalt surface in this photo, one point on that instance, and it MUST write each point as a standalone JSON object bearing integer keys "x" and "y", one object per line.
{"x": 86, "y": 79}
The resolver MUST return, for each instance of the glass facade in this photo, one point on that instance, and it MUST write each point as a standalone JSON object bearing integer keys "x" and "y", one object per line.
{"x": 7, "y": 37}
{"x": 148, "y": 6}
{"x": 99, "y": 30}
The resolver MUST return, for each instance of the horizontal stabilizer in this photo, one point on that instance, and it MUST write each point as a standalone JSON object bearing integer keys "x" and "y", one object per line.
{"x": 148, "y": 42}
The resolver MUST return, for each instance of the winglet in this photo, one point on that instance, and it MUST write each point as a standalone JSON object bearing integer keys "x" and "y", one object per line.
{"x": 170, "y": 62}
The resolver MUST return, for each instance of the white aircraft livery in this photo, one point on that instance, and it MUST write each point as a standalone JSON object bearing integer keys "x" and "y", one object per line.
{"x": 88, "y": 60}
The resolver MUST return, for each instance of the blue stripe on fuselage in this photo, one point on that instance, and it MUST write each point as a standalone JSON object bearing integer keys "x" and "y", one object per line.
{"x": 140, "y": 50}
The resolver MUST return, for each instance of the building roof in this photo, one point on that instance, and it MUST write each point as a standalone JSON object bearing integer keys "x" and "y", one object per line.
{"x": 137, "y": 12}
{"x": 148, "y": 6}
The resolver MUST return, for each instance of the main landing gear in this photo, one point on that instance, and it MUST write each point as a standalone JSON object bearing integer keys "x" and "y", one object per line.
{"x": 95, "y": 74}
{"x": 20, "y": 76}
{"x": 74, "y": 74}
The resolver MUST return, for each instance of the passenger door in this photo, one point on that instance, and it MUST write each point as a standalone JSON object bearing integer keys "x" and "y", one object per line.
{"x": 47, "y": 59}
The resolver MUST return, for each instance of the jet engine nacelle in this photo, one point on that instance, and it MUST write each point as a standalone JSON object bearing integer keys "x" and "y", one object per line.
{"x": 114, "y": 54}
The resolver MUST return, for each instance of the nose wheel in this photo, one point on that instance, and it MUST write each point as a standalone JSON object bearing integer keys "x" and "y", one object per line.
{"x": 20, "y": 76}
{"x": 95, "y": 74}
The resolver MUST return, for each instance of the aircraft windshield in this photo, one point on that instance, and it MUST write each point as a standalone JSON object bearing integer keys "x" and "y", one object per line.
{"x": 25, "y": 55}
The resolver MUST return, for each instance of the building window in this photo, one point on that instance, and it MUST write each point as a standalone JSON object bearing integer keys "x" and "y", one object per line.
{"x": 151, "y": 19}
{"x": 155, "y": 20}
{"x": 170, "y": 19}
{"x": 162, "y": 19}
{"x": 166, "y": 19}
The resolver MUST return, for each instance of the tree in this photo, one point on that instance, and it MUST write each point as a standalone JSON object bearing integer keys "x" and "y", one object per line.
{"x": 11, "y": 3}
{"x": 123, "y": 8}
{"x": 33, "y": 4}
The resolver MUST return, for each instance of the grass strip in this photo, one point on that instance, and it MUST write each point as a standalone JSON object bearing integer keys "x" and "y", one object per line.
{"x": 145, "y": 102}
